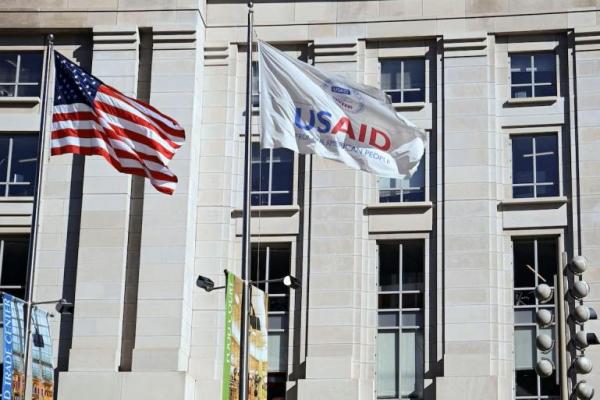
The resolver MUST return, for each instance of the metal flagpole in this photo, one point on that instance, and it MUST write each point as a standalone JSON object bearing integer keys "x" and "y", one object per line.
{"x": 243, "y": 392}
{"x": 37, "y": 184}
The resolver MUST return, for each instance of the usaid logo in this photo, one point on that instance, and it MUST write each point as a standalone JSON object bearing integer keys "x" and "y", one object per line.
{"x": 341, "y": 90}
{"x": 347, "y": 98}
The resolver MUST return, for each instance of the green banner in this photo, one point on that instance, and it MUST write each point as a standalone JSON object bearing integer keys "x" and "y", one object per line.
{"x": 257, "y": 341}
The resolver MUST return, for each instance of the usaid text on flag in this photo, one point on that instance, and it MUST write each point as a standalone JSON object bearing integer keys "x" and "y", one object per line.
{"x": 314, "y": 112}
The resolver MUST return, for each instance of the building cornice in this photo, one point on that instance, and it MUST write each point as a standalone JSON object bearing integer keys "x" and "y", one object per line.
{"x": 115, "y": 37}
{"x": 174, "y": 37}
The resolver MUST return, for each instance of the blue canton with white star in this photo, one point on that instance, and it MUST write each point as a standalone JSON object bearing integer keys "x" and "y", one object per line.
{"x": 73, "y": 84}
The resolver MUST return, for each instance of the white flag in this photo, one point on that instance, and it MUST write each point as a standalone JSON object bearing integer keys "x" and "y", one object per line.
{"x": 313, "y": 112}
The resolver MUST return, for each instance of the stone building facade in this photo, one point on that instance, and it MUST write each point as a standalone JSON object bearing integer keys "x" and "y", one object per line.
{"x": 417, "y": 289}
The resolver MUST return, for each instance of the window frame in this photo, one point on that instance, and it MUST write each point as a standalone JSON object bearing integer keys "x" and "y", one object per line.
{"x": 14, "y": 237}
{"x": 557, "y": 130}
{"x": 270, "y": 192}
{"x": 558, "y": 237}
{"x": 12, "y": 135}
{"x": 402, "y": 89}
{"x": 16, "y": 82}
{"x": 378, "y": 50}
{"x": 289, "y": 244}
{"x": 533, "y": 84}
{"x": 426, "y": 182}
{"x": 400, "y": 239}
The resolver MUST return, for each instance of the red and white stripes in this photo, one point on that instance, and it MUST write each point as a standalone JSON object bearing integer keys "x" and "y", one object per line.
{"x": 132, "y": 136}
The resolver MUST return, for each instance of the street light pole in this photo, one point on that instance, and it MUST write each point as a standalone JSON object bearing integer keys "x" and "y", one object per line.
{"x": 32, "y": 251}
{"x": 562, "y": 328}
{"x": 208, "y": 285}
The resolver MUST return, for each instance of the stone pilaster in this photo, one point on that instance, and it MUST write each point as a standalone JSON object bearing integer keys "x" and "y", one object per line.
{"x": 470, "y": 226}
{"x": 340, "y": 351}
{"x": 214, "y": 229}
{"x": 585, "y": 149}
{"x": 166, "y": 275}
{"x": 104, "y": 223}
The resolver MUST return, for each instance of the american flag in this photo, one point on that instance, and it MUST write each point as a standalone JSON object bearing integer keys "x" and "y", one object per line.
{"x": 92, "y": 118}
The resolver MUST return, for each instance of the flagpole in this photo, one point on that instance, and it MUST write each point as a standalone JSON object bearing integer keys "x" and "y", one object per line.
{"x": 37, "y": 184}
{"x": 243, "y": 392}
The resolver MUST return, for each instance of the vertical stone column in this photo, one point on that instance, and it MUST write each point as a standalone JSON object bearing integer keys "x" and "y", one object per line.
{"x": 340, "y": 352}
{"x": 104, "y": 223}
{"x": 586, "y": 87}
{"x": 470, "y": 224}
{"x": 166, "y": 276}
{"x": 214, "y": 229}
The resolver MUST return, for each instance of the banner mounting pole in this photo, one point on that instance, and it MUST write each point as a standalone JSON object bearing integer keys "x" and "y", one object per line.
{"x": 243, "y": 388}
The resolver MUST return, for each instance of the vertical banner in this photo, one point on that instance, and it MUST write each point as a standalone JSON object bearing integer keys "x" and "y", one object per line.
{"x": 7, "y": 358}
{"x": 231, "y": 359}
{"x": 41, "y": 357}
{"x": 13, "y": 381}
{"x": 258, "y": 338}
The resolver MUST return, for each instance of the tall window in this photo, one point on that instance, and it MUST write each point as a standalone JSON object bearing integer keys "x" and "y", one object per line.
{"x": 393, "y": 190}
{"x": 255, "y": 85}
{"x": 535, "y": 165}
{"x": 535, "y": 262}
{"x": 20, "y": 74}
{"x": 13, "y": 267}
{"x": 533, "y": 75}
{"x": 272, "y": 176}
{"x": 403, "y": 79}
{"x": 18, "y": 164}
{"x": 400, "y": 343}
{"x": 272, "y": 261}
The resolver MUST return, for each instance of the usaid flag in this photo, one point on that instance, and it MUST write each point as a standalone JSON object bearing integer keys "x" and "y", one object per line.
{"x": 313, "y": 112}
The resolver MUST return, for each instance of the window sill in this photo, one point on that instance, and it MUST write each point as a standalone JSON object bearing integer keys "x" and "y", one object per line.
{"x": 16, "y": 199}
{"x": 409, "y": 106}
{"x": 268, "y": 211}
{"x": 400, "y": 206}
{"x": 20, "y": 100}
{"x": 558, "y": 200}
{"x": 532, "y": 100}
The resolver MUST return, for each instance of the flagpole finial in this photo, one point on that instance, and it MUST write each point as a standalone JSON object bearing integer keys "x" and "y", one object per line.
{"x": 250, "y": 5}
{"x": 51, "y": 38}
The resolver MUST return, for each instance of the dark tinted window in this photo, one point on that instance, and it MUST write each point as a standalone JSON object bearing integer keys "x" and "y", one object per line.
{"x": 20, "y": 74}
{"x": 532, "y": 75}
{"x": 535, "y": 165}
{"x": 272, "y": 176}
{"x": 14, "y": 264}
{"x": 392, "y": 190}
{"x": 404, "y": 79}
{"x": 18, "y": 164}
